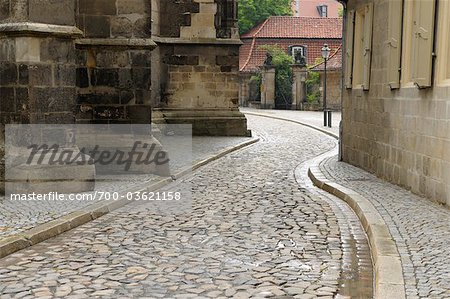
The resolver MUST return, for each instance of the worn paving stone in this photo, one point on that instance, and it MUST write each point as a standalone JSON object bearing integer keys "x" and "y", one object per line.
{"x": 419, "y": 227}
{"x": 251, "y": 229}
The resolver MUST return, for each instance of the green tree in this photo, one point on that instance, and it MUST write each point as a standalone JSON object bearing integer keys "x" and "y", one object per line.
{"x": 253, "y": 12}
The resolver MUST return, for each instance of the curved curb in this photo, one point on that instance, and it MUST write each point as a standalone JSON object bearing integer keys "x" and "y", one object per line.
{"x": 42, "y": 232}
{"x": 336, "y": 136}
{"x": 389, "y": 282}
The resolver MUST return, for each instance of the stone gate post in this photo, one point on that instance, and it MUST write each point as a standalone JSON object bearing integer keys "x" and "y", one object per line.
{"x": 268, "y": 87}
{"x": 299, "y": 86}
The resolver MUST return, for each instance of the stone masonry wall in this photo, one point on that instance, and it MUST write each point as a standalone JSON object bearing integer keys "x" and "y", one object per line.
{"x": 333, "y": 90}
{"x": 198, "y": 74}
{"x": 37, "y": 80}
{"x": 198, "y": 60}
{"x": 37, "y": 64}
{"x": 114, "y": 64}
{"x": 401, "y": 135}
{"x": 176, "y": 13}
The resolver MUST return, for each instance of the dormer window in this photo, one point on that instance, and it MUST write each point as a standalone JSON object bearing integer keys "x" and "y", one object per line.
{"x": 323, "y": 10}
{"x": 297, "y": 50}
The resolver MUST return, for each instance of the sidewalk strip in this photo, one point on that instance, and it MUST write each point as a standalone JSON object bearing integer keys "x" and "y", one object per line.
{"x": 42, "y": 232}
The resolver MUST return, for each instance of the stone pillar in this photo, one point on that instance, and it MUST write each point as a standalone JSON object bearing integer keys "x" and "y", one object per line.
{"x": 299, "y": 86}
{"x": 268, "y": 87}
{"x": 37, "y": 64}
{"x": 199, "y": 50}
{"x": 244, "y": 89}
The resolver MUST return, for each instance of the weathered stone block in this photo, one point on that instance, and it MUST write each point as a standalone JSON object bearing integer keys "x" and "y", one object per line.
{"x": 82, "y": 77}
{"x": 139, "y": 114}
{"x": 58, "y": 99}
{"x": 22, "y": 99}
{"x": 141, "y": 78}
{"x": 126, "y": 96}
{"x": 142, "y": 28}
{"x": 57, "y": 50}
{"x": 23, "y": 74}
{"x": 28, "y": 49}
{"x": 133, "y": 6}
{"x": 8, "y": 73}
{"x": 105, "y": 77}
{"x": 7, "y": 103}
{"x": 142, "y": 96}
{"x": 97, "y": 26}
{"x": 65, "y": 75}
{"x": 141, "y": 59}
{"x": 40, "y": 75}
{"x": 97, "y": 7}
{"x": 110, "y": 59}
{"x": 121, "y": 27}
{"x": 182, "y": 60}
{"x": 4, "y": 10}
{"x": 60, "y": 12}
{"x": 125, "y": 78}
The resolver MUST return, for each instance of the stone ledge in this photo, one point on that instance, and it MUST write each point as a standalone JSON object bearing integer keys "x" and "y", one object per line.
{"x": 36, "y": 29}
{"x": 131, "y": 43}
{"x": 203, "y": 41}
{"x": 388, "y": 271}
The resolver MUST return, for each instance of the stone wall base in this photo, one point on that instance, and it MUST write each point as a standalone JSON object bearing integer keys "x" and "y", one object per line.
{"x": 206, "y": 122}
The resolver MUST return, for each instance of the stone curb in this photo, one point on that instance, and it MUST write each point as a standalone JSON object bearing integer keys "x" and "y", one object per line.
{"x": 388, "y": 272}
{"x": 14, "y": 243}
{"x": 336, "y": 136}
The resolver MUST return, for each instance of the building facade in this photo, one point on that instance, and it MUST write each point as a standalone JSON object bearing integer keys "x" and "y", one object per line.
{"x": 396, "y": 109}
{"x": 292, "y": 34}
{"x": 316, "y": 8}
{"x": 114, "y": 61}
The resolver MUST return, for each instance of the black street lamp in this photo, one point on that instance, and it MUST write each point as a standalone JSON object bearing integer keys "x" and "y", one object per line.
{"x": 325, "y": 55}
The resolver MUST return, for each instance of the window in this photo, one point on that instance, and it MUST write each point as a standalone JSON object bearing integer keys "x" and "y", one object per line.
{"x": 293, "y": 50}
{"x": 349, "y": 49}
{"x": 362, "y": 47}
{"x": 418, "y": 40}
{"x": 323, "y": 10}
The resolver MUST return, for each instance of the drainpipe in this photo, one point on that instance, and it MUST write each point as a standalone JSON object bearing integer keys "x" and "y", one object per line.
{"x": 344, "y": 58}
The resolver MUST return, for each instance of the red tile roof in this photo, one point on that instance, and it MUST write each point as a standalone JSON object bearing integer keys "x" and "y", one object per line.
{"x": 296, "y": 27}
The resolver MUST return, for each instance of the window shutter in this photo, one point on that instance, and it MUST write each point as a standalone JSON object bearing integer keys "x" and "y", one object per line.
{"x": 368, "y": 24}
{"x": 423, "y": 42}
{"x": 349, "y": 48}
{"x": 394, "y": 43}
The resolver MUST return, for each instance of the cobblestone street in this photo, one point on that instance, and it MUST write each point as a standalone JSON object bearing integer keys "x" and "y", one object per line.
{"x": 255, "y": 230}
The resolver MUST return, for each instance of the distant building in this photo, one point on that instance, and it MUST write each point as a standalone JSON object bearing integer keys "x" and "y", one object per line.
{"x": 292, "y": 34}
{"x": 316, "y": 8}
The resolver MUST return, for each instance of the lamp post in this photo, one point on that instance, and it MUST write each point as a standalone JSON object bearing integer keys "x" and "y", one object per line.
{"x": 325, "y": 55}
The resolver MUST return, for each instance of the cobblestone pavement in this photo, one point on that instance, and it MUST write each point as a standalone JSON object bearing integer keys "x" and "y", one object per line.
{"x": 252, "y": 231}
{"x": 420, "y": 228}
{"x": 314, "y": 118}
{"x": 18, "y": 216}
